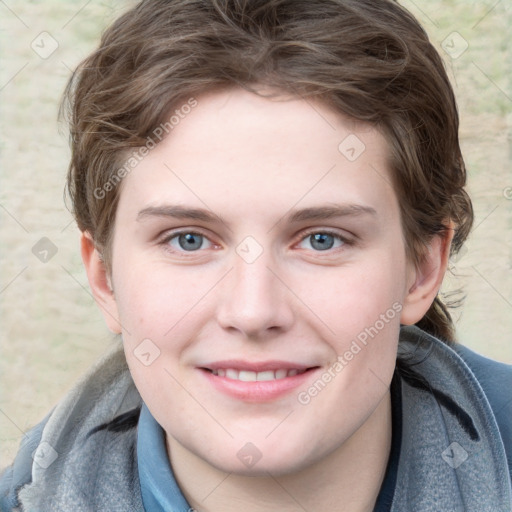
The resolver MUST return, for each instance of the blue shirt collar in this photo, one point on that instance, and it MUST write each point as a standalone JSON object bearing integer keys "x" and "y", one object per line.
{"x": 160, "y": 491}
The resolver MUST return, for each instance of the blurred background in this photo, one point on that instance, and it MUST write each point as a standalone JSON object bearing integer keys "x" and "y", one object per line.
{"x": 51, "y": 330}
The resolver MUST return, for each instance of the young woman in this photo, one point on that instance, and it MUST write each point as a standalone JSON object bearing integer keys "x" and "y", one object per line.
{"x": 269, "y": 192}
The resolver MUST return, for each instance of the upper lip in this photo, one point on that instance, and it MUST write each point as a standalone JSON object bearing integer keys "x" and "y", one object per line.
{"x": 254, "y": 366}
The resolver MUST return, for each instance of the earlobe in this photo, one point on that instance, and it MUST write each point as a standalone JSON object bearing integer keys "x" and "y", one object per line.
{"x": 427, "y": 278}
{"x": 100, "y": 282}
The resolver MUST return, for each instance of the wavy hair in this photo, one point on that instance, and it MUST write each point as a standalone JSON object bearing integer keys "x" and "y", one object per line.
{"x": 368, "y": 59}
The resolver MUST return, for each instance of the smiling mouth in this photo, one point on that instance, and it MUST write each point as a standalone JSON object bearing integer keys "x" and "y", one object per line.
{"x": 256, "y": 381}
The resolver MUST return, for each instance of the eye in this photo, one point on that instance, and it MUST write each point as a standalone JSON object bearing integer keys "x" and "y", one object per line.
{"x": 188, "y": 241}
{"x": 322, "y": 241}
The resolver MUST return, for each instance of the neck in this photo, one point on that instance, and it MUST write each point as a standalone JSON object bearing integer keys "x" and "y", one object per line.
{"x": 350, "y": 477}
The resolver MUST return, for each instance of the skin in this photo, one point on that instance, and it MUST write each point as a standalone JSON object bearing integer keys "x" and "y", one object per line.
{"x": 252, "y": 163}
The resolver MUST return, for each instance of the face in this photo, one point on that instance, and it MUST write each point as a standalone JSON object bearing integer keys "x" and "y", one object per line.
{"x": 259, "y": 276}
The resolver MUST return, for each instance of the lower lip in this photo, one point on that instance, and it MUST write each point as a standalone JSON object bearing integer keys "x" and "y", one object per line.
{"x": 257, "y": 391}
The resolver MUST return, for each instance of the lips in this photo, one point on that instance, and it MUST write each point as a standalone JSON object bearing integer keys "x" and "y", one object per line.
{"x": 256, "y": 381}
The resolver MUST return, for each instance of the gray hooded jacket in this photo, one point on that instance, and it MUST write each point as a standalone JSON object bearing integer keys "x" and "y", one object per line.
{"x": 456, "y": 436}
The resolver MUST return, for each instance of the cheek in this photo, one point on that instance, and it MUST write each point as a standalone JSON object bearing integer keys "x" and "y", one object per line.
{"x": 153, "y": 298}
{"x": 361, "y": 311}
{"x": 162, "y": 311}
{"x": 352, "y": 298}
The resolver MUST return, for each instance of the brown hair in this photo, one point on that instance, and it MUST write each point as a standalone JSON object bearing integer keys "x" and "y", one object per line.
{"x": 369, "y": 59}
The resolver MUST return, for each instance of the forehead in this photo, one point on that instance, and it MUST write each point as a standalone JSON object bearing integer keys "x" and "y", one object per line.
{"x": 235, "y": 151}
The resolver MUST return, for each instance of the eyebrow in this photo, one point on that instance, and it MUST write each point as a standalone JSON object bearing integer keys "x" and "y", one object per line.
{"x": 178, "y": 212}
{"x": 294, "y": 217}
{"x": 329, "y": 212}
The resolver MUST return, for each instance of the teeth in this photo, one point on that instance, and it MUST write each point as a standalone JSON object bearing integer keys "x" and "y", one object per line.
{"x": 281, "y": 374}
{"x": 249, "y": 376}
{"x": 246, "y": 376}
{"x": 268, "y": 375}
{"x": 232, "y": 374}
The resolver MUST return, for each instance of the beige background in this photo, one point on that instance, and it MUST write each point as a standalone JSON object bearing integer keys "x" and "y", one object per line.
{"x": 51, "y": 330}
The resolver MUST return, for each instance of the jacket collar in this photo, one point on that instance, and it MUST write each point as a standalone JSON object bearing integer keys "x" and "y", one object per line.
{"x": 452, "y": 455}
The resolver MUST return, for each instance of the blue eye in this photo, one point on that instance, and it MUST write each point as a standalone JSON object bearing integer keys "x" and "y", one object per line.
{"x": 189, "y": 241}
{"x": 323, "y": 241}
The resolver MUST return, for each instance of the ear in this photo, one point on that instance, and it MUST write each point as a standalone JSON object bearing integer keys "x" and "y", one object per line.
{"x": 100, "y": 282}
{"x": 426, "y": 278}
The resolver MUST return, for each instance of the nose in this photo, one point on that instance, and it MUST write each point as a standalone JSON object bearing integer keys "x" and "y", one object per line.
{"x": 253, "y": 301}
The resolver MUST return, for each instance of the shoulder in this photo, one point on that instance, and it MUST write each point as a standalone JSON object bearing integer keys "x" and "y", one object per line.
{"x": 495, "y": 378}
{"x": 14, "y": 477}
{"x": 450, "y": 394}
{"x": 104, "y": 403}
{"x": 466, "y": 376}
{"x": 491, "y": 374}
{"x": 492, "y": 377}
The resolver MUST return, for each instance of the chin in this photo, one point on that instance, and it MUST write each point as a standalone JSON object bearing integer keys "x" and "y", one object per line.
{"x": 249, "y": 460}
{"x": 262, "y": 468}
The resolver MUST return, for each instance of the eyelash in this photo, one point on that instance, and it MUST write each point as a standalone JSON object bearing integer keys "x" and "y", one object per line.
{"x": 346, "y": 242}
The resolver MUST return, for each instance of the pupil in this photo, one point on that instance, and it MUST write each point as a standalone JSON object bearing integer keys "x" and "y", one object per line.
{"x": 322, "y": 241}
{"x": 190, "y": 242}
